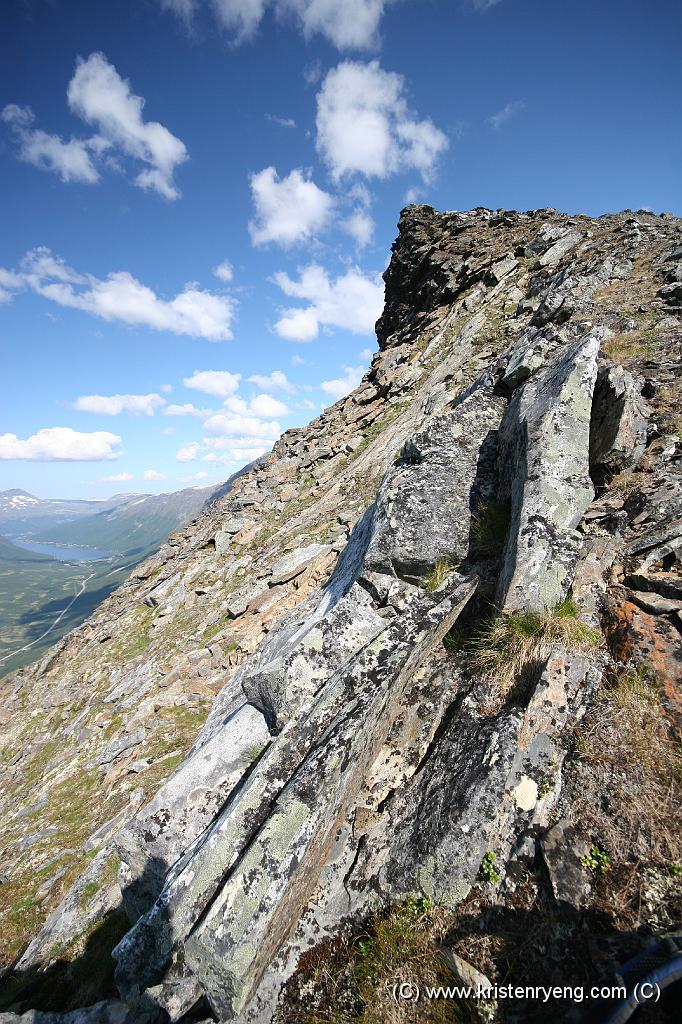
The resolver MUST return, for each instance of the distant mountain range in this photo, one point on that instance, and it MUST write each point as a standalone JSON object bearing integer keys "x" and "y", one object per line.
{"x": 133, "y": 524}
{"x": 22, "y": 514}
{"x": 42, "y": 598}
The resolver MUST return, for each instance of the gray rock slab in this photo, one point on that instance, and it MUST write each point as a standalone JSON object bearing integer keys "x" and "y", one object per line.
{"x": 295, "y": 562}
{"x": 184, "y": 805}
{"x": 544, "y": 456}
{"x": 618, "y": 429}
{"x": 423, "y": 509}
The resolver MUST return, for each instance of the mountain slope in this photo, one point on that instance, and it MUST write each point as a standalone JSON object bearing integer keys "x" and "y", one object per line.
{"x": 41, "y": 598}
{"x": 138, "y": 522}
{"x": 22, "y": 513}
{"x": 359, "y": 676}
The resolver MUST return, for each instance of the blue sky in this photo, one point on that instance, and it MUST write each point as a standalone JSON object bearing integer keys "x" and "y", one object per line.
{"x": 198, "y": 198}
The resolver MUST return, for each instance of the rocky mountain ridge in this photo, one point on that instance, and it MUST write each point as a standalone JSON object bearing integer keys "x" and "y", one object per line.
{"x": 273, "y": 728}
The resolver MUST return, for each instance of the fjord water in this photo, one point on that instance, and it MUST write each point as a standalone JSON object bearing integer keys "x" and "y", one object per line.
{"x": 63, "y": 553}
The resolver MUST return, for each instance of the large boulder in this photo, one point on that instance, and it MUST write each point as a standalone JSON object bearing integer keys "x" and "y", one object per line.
{"x": 544, "y": 465}
{"x": 424, "y": 507}
{"x": 618, "y": 430}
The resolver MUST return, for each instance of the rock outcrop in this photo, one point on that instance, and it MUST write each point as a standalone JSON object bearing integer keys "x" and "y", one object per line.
{"x": 272, "y": 729}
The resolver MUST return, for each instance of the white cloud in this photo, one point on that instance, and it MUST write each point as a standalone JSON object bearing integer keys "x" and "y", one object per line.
{"x": 353, "y": 302}
{"x": 283, "y": 122}
{"x": 99, "y": 96}
{"x": 343, "y": 385}
{"x": 506, "y": 114}
{"x": 346, "y": 24}
{"x": 240, "y": 16}
{"x": 266, "y": 405}
{"x": 366, "y": 354}
{"x": 186, "y": 409}
{"x": 365, "y": 126}
{"x": 188, "y": 452}
{"x": 224, "y": 271}
{"x": 120, "y": 296}
{"x": 201, "y": 475}
{"x": 114, "y": 405}
{"x": 230, "y": 425}
{"x": 220, "y": 383}
{"x": 166, "y": 388}
{"x": 116, "y": 478}
{"x": 289, "y": 210}
{"x": 413, "y": 195}
{"x": 61, "y": 444}
{"x": 71, "y": 160}
{"x": 297, "y": 360}
{"x": 151, "y": 474}
{"x": 484, "y": 5}
{"x": 276, "y": 381}
{"x": 360, "y": 226}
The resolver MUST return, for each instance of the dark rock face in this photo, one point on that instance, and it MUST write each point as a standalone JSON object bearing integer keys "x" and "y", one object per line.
{"x": 618, "y": 430}
{"x": 339, "y": 758}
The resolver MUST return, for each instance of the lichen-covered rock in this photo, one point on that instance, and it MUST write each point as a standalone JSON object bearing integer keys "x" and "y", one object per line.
{"x": 161, "y": 832}
{"x": 424, "y": 507}
{"x": 618, "y": 429}
{"x": 544, "y": 457}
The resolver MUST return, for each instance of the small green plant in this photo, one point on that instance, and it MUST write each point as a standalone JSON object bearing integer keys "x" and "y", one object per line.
{"x": 438, "y": 574}
{"x": 254, "y": 752}
{"x": 418, "y": 905}
{"x": 597, "y": 860}
{"x": 488, "y": 871}
{"x": 676, "y": 869}
{"x": 454, "y": 641}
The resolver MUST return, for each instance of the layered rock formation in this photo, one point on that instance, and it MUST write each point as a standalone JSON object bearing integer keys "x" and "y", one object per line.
{"x": 262, "y": 737}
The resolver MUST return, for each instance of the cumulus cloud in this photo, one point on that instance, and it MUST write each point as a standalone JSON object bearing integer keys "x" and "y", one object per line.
{"x": 289, "y": 210}
{"x": 365, "y": 126}
{"x": 266, "y": 405}
{"x": 116, "y": 478}
{"x": 343, "y": 385}
{"x": 360, "y": 226}
{"x": 151, "y": 474}
{"x": 231, "y": 425}
{"x": 224, "y": 271}
{"x": 353, "y": 302}
{"x": 346, "y": 24}
{"x": 188, "y": 452}
{"x": 186, "y": 409}
{"x": 61, "y": 444}
{"x": 506, "y": 113}
{"x": 99, "y": 96}
{"x": 275, "y": 381}
{"x": 120, "y": 296}
{"x": 220, "y": 383}
{"x": 70, "y": 160}
{"x": 114, "y": 405}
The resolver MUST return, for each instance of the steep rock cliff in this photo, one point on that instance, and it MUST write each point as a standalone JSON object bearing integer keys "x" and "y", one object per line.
{"x": 273, "y": 729}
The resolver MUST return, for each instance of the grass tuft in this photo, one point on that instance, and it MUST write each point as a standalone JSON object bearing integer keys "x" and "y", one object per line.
{"x": 438, "y": 575}
{"x": 505, "y": 648}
